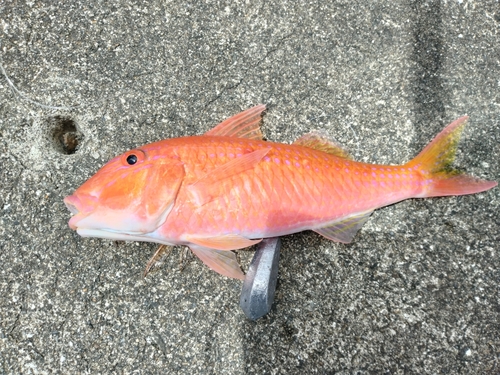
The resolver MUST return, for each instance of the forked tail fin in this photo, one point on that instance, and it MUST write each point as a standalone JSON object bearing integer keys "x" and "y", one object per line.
{"x": 434, "y": 161}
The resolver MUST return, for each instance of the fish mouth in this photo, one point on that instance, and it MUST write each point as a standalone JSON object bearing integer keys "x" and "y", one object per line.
{"x": 73, "y": 203}
{"x": 90, "y": 219}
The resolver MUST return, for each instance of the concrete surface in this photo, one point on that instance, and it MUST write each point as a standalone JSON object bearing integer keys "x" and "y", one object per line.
{"x": 416, "y": 293}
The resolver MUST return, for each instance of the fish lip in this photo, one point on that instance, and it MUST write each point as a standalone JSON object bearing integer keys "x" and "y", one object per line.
{"x": 123, "y": 236}
{"x": 81, "y": 206}
{"x": 73, "y": 203}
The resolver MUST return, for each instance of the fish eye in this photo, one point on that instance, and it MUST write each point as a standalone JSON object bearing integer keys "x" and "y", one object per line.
{"x": 131, "y": 159}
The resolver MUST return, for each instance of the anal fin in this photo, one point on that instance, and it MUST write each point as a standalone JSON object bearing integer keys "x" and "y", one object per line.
{"x": 223, "y": 262}
{"x": 344, "y": 229}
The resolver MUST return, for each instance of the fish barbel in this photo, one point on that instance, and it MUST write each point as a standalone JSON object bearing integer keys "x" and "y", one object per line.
{"x": 228, "y": 189}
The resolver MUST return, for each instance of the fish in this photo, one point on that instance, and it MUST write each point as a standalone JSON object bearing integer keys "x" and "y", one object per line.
{"x": 228, "y": 189}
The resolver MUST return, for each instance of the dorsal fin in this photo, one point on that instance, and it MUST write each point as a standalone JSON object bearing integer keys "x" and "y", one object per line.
{"x": 321, "y": 142}
{"x": 242, "y": 125}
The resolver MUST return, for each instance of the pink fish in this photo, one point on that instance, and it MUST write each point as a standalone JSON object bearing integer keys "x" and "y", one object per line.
{"x": 228, "y": 189}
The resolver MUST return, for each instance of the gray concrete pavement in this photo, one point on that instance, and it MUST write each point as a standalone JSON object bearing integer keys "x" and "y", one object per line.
{"x": 416, "y": 292}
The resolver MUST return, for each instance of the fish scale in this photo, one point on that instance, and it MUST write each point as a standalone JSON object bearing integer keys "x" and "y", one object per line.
{"x": 299, "y": 194}
{"x": 228, "y": 189}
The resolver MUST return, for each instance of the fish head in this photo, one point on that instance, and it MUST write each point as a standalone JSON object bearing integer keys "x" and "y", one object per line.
{"x": 131, "y": 195}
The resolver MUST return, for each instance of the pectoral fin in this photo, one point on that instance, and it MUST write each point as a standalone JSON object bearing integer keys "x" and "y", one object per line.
{"x": 345, "y": 229}
{"x": 242, "y": 125}
{"x": 223, "y": 262}
{"x": 225, "y": 242}
{"x": 205, "y": 189}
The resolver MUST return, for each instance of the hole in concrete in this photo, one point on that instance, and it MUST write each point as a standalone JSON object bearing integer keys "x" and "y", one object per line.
{"x": 66, "y": 135}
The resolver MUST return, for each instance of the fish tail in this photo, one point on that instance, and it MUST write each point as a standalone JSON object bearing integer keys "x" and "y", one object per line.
{"x": 434, "y": 162}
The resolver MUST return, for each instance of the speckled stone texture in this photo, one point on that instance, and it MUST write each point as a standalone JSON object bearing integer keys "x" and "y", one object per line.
{"x": 417, "y": 292}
